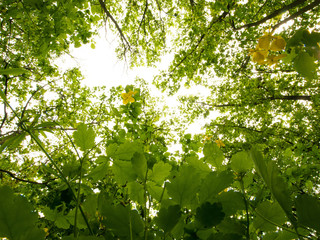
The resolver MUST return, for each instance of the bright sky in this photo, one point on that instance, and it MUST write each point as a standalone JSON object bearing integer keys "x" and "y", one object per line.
{"x": 100, "y": 66}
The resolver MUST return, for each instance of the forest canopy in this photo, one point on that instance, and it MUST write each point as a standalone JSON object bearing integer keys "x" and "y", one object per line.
{"x": 93, "y": 163}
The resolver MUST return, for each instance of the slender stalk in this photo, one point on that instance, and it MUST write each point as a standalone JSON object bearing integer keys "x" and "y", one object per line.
{"x": 246, "y": 205}
{"x": 40, "y": 145}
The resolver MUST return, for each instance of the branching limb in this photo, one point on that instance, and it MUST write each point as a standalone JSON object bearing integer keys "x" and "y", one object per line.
{"x": 301, "y": 11}
{"x": 274, "y": 14}
{"x": 123, "y": 38}
{"x": 11, "y": 174}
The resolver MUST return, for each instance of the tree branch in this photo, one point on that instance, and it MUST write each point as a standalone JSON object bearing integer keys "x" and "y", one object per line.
{"x": 213, "y": 21}
{"x": 272, "y": 15}
{"x": 22, "y": 180}
{"x": 123, "y": 38}
{"x": 301, "y": 11}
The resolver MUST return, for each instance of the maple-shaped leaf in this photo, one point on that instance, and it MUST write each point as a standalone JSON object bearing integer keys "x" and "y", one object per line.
{"x": 268, "y": 213}
{"x": 241, "y": 162}
{"x": 168, "y": 217}
{"x": 139, "y": 165}
{"x": 17, "y": 218}
{"x": 160, "y": 172}
{"x": 278, "y": 43}
{"x": 213, "y": 184}
{"x": 210, "y": 214}
{"x": 213, "y": 154}
{"x": 305, "y": 65}
{"x": 184, "y": 187}
{"x": 84, "y": 137}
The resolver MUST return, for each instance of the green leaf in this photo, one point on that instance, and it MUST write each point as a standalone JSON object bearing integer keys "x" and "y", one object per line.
{"x": 157, "y": 192}
{"x": 213, "y": 184}
{"x": 84, "y": 137}
{"x": 123, "y": 172}
{"x": 121, "y": 220}
{"x": 59, "y": 219}
{"x": 13, "y": 71}
{"x": 139, "y": 165}
{"x": 308, "y": 211}
{"x": 136, "y": 192}
{"x": 279, "y": 190}
{"x": 268, "y": 216}
{"x": 168, "y": 217}
{"x": 210, "y": 215}
{"x": 184, "y": 187}
{"x": 213, "y": 154}
{"x": 305, "y": 65}
{"x": 17, "y": 218}
{"x": 275, "y": 183}
{"x": 126, "y": 150}
{"x": 231, "y": 202}
{"x": 160, "y": 172}
{"x": 241, "y": 162}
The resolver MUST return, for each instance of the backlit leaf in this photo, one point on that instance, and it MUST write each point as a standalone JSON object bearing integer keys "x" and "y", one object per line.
{"x": 84, "y": 137}
{"x": 268, "y": 213}
{"x": 305, "y": 65}
{"x": 241, "y": 162}
{"x": 213, "y": 154}
{"x": 184, "y": 186}
{"x": 17, "y": 218}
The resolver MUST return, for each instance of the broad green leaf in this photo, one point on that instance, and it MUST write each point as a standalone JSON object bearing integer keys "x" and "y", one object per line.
{"x": 279, "y": 190}
{"x": 213, "y": 154}
{"x": 13, "y": 71}
{"x": 71, "y": 237}
{"x": 168, "y": 217}
{"x": 268, "y": 213}
{"x": 305, "y": 65}
{"x": 308, "y": 211}
{"x": 121, "y": 220}
{"x": 160, "y": 172}
{"x": 126, "y": 150}
{"x": 210, "y": 214}
{"x": 136, "y": 192}
{"x": 281, "y": 235}
{"x": 199, "y": 165}
{"x": 231, "y": 202}
{"x": 225, "y": 236}
{"x": 241, "y": 162}
{"x": 139, "y": 165}
{"x": 213, "y": 184}
{"x": 17, "y": 218}
{"x": 123, "y": 172}
{"x": 231, "y": 225}
{"x": 184, "y": 187}
{"x": 59, "y": 219}
{"x": 84, "y": 137}
{"x": 157, "y": 192}
{"x": 260, "y": 164}
{"x": 275, "y": 183}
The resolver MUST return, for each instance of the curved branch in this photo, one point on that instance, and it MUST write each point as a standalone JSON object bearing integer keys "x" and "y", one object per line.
{"x": 123, "y": 38}
{"x": 301, "y": 11}
{"x": 272, "y": 15}
{"x": 22, "y": 180}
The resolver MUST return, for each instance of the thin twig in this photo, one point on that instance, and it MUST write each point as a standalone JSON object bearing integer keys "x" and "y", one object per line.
{"x": 123, "y": 38}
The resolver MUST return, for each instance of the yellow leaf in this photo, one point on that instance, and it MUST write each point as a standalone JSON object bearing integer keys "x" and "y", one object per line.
{"x": 220, "y": 143}
{"x": 259, "y": 56}
{"x": 278, "y": 44}
{"x": 264, "y": 42}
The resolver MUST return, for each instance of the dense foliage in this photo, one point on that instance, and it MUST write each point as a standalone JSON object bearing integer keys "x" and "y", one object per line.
{"x": 95, "y": 163}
